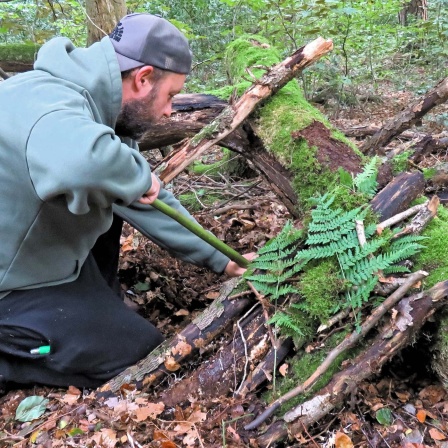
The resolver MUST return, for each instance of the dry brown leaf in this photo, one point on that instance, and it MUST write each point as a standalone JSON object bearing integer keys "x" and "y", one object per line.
{"x": 421, "y": 415}
{"x": 436, "y": 434}
{"x": 171, "y": 364}
{"x": 107, "y": 438}
{"x": 433, "y": 394}
{"x": 212, "y": 295}
{"x": 182, "y": 313}
{"x": 283, "y": 369}
{"x": 342, "y": 441}
{"x": 403, "y": 396}
{"x": 151, "y": 410}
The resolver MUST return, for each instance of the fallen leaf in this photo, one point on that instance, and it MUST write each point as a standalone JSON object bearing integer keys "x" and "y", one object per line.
{"x": 31, "y": 408}
{"x": 421, "y": 415}
{"x": 436, "y": 434}
{"x": 432, "y": 393}
{"x": 342, "y": 441}
{"x": 283, "y": 369}
{"x": 151, "y": 410}
{"x": 107, "y": 438}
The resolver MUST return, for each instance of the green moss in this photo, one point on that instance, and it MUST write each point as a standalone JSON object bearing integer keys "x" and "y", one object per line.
{"x": 320, "y": 285}
{"x": 303, "y": 365}
{"x": 433, "y": 258}
{"x": 18, "y": 52}
{"x": 428, "y": 173}
{"x": 195, "y": 201}
{"x": 439, "y": 361}
{"x": 400, "y": 162}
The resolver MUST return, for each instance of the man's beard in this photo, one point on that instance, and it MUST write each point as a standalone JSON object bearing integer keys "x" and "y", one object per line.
{"x": 137, "y": 116}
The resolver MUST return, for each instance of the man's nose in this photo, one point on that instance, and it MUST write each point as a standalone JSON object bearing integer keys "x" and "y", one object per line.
{"x": 167, "y": 111}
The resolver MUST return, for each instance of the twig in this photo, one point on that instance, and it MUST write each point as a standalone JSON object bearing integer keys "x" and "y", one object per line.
{"x": 246, "y": 355}
{"x": 334, "y": 319}
{"x": 341, "y": 348}
{"x": 399, "y": 217}
{"x": 262, "y": 300}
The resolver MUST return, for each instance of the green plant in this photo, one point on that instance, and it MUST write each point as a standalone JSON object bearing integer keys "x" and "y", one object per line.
{"x": 331, "y": 243}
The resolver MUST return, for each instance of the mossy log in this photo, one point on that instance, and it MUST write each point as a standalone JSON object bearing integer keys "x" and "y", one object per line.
{"x": 406, "y": 118}
{"x": 382, "y": 349}
{"x": 291, "y": 143}
{"x": 15, "y": 58}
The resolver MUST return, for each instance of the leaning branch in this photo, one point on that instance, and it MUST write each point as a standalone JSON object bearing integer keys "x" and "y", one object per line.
{"x": 345, "y": 345}
{"x": 232, "y": 116}
{"x": 382, "y": 349}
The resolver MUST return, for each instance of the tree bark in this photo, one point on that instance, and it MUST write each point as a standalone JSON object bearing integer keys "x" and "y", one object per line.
{"x": 407, "y": 118}
{"x": 382, "y": 349}
{"x": 102, "y": 16}
{"x": 398, "y": 194}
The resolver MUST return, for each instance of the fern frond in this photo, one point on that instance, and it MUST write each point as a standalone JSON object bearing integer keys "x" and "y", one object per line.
{"x": 397, "y": 269}
{"x": 365, "y": 182}
{"x": 285, "y": 321}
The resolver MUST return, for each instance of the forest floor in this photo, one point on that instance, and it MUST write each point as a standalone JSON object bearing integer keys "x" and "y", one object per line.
{"x": 170, "y": 293}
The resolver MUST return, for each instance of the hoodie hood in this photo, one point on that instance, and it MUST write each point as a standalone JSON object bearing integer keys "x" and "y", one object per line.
{"x": 94, "y": 69}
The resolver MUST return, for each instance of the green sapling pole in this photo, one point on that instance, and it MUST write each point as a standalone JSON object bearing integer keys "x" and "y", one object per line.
{"x": 201, "y": 233}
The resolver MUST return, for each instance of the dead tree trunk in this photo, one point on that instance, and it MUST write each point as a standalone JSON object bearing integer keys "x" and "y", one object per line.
{"x": 407, "y": 118}
{"x": 168, "y": 356}
{"x": 232, "y": 117}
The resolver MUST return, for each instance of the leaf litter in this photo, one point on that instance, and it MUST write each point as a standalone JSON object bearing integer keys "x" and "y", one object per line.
{"x": 404, "y": 406}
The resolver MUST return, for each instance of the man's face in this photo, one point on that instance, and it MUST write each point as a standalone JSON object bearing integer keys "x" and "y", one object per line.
{"x": 138, "y": 115}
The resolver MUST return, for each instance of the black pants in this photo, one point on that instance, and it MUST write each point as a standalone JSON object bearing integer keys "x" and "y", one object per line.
{"x": 93, "y": 336}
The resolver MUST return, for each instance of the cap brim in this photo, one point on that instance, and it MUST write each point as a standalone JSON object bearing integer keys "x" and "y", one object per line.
{"x": 127, "y": 63}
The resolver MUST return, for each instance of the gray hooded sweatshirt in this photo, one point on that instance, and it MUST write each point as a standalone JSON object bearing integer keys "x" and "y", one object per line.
{"x": 63, "y": 171}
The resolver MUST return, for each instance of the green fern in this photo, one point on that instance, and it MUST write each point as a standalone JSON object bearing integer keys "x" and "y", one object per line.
{"x": 365, "y": 182}
{"x": 331, "y": 236}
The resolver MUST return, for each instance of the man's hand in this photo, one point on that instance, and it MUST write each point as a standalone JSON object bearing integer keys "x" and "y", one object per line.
{"x": 151, "y": 195}
{"x": 233, "y": 270}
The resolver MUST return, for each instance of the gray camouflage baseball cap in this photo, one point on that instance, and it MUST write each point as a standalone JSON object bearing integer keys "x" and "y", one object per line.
{"x": 145, "y": 39}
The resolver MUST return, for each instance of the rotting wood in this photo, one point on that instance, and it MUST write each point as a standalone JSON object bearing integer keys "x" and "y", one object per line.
{"x": 265, "y": 369}
{"x": 421, "y": 219}
{"x": 406, "y": 118}
{"x": 224, "y": 371}
{"x": 167, "y": 356}
{"x": 399, "y": 217}
{"x": 346, "y": 344}
{"x": 382, "y": 349}
{"x": 232, "y": 116}
{"x": 396, "y": 196}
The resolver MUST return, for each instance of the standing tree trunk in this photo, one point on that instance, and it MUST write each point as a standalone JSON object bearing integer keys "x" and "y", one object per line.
{"x": 417, "y": 8}
{"x": 103, "y": 15}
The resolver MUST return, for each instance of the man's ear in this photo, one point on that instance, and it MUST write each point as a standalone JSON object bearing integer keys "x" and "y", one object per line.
{"x": 143, "y": 82}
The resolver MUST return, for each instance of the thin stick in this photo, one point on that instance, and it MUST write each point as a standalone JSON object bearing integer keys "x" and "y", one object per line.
{"x": 399, "y": 217}
{"x": 341, "y": 348}
{"x": 201, "y": 233}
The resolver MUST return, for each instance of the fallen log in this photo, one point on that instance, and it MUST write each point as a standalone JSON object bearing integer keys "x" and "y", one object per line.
{"x": 398, "y": 194}
{"x": 17, "y": 58}
{"x": 191, "y": 112}
{"x": 382, "y": 349}
{"x": 167, "y": 357}
{"x": 406, "y": 118}
{"x": 232, "y": 116}
{"x": 224, "y": 372}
